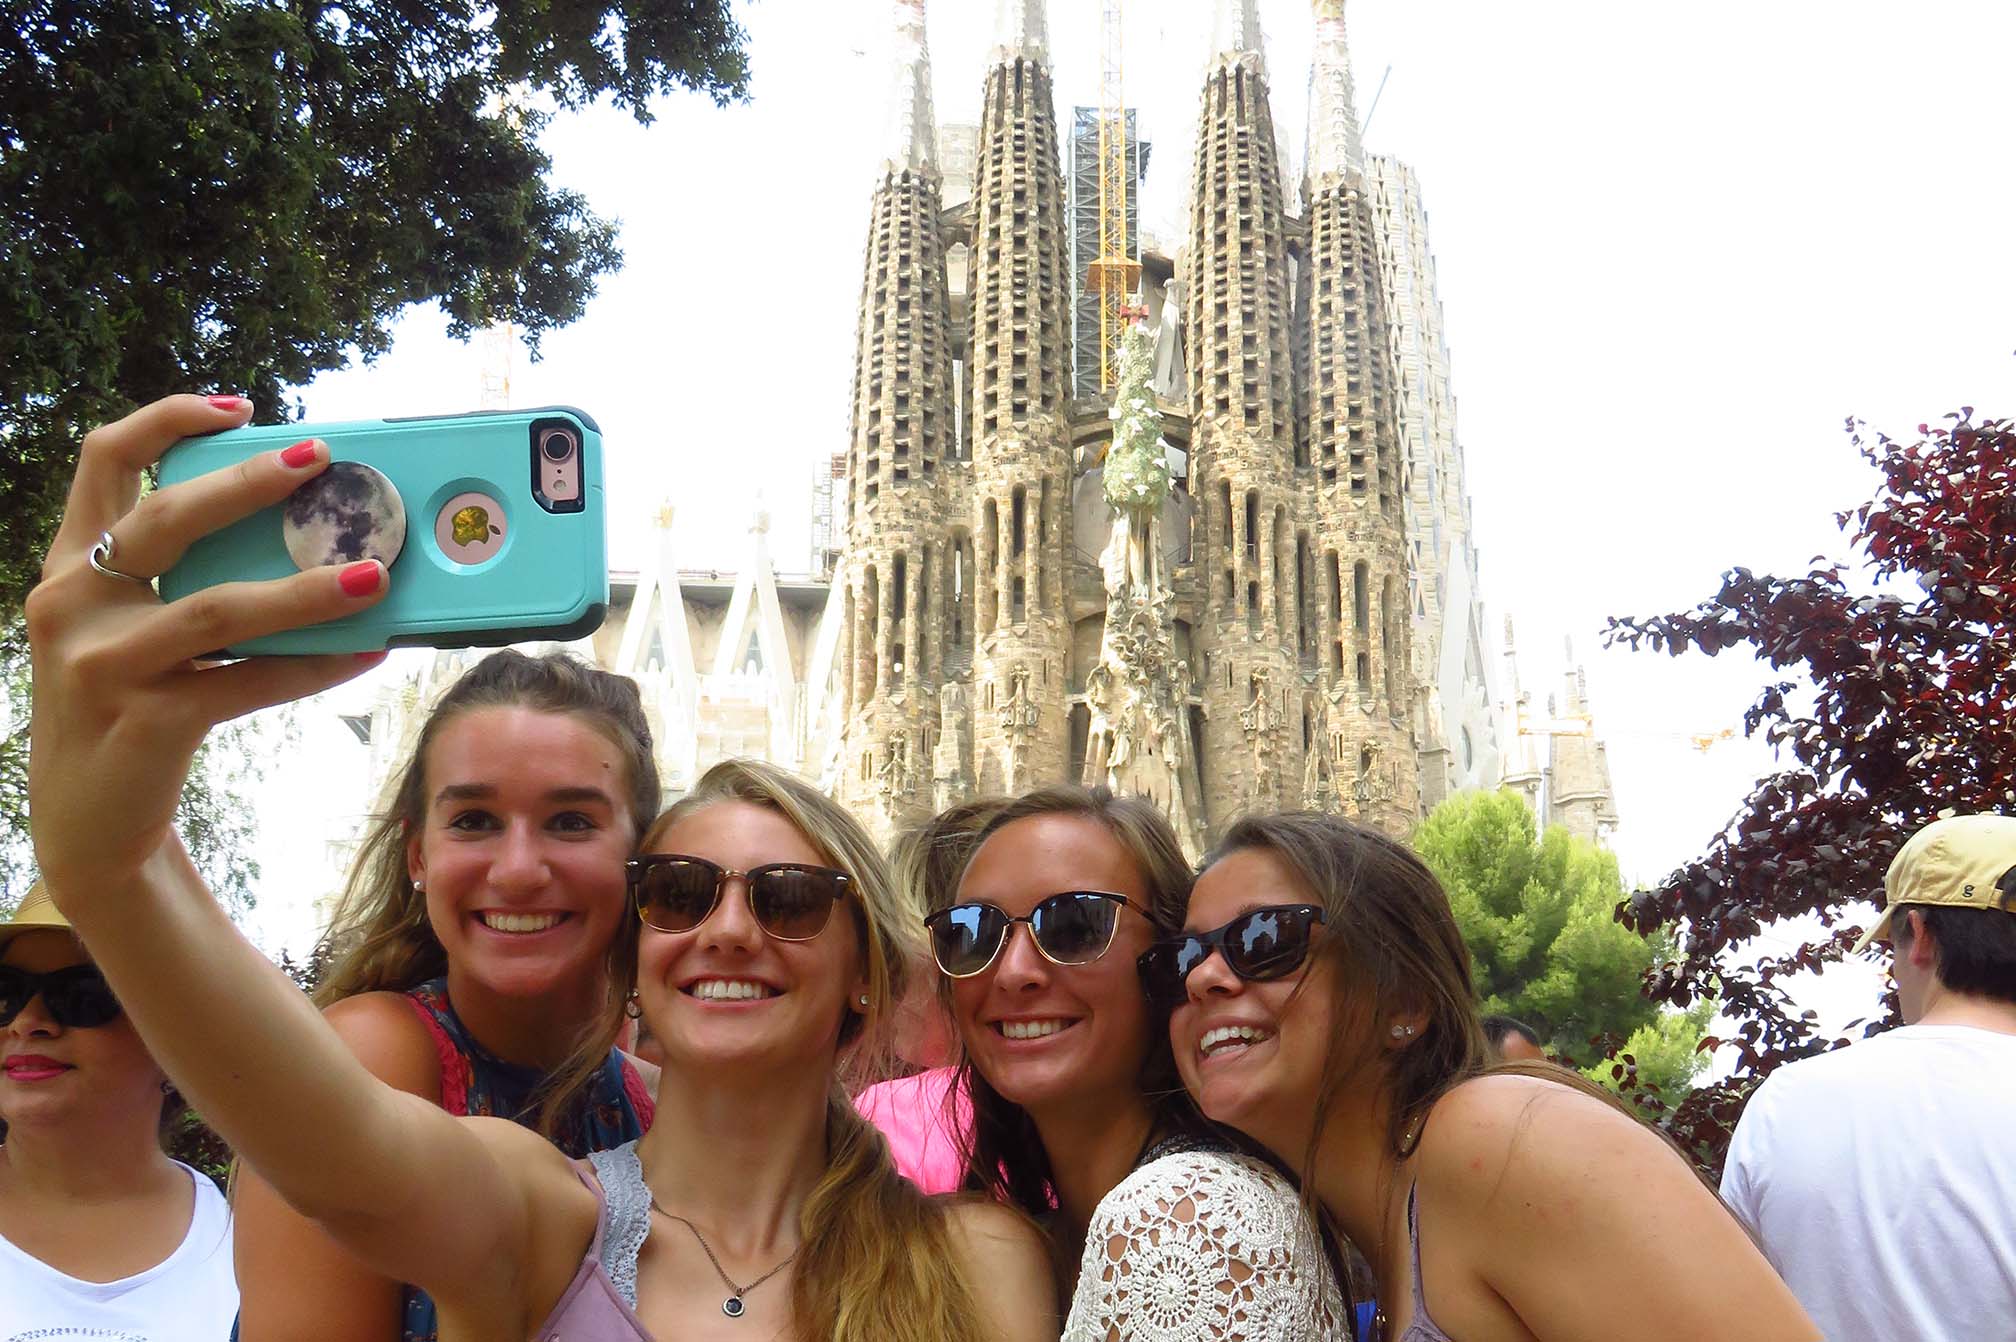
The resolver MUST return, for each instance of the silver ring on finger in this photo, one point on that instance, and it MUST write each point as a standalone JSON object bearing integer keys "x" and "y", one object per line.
{"x": 101, "y": 560}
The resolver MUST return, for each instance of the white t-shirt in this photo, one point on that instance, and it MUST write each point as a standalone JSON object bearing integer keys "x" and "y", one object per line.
{"x": 189, "y": 1296}
{"x": 1881, "y": 1181}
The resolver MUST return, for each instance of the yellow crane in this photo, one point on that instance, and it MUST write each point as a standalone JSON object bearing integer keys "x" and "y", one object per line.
{"x": 1115, "y": 272}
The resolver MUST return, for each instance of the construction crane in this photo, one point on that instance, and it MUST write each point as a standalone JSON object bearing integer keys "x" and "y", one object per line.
{"x": 1115, "y": 273}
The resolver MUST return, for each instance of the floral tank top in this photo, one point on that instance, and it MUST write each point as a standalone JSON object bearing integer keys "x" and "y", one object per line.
{"x": 615, "y": 1109}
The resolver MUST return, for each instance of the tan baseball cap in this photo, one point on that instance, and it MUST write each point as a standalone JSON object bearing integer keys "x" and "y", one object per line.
{"x": 1962, "y": 862}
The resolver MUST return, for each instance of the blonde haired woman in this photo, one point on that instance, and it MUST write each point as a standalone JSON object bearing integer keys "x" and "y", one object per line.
{"x": 769, "y": 1209}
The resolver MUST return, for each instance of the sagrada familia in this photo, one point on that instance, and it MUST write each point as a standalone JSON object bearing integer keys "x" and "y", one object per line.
{"x": 1250, "y": 584}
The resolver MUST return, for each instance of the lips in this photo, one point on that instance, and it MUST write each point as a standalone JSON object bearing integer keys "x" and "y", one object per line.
{"x": 1033, "y": 1028}
{"x": 1227, "y": 1040}
{"x": 729, "y": 990}
{"x": 32, "y": 1067}
{"x": 519, "y": 923}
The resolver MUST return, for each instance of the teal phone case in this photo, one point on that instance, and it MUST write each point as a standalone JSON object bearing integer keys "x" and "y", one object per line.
{"x": 547, "y": 579}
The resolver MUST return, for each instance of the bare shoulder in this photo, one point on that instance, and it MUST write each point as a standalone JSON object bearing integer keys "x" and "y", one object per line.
{"x": 386, "y": 1035}
{"x": 1495, "y": 1142}
{"x": 1005, "y": 1262}
{"x": 980, "y": 1229}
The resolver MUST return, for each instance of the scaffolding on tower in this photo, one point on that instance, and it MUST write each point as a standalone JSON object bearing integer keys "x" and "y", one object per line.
{"x": 1116, "y": 272}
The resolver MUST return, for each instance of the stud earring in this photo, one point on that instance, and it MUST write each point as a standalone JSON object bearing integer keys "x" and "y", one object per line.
{"x": 864, "y": 1001}
{"x": 1399, "y": 1031}
{"x": 633, "y": 1008}
{"x": 419, "y": 887}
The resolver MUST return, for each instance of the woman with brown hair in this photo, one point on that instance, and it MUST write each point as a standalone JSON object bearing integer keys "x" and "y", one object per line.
{"x": 769, "y": 955}
{"x": 1158, "y": 1227}
{"x": 475, "y": 944}
{"x": 1322, "y": 1005}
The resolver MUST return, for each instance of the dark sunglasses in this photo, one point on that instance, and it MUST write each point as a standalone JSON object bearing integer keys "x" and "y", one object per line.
{"x": 1073, "y": 928}
{"x": 1268, "y": 943}
{"x": 791, "y": 901}
{"x": 76, "y": 998}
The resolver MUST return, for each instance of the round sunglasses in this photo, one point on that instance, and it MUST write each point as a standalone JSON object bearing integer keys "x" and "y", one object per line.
{"x": 76, "y": 998}
{"x": 792, "y": 901}
{"x": 1262, "y": 944}
{"x": 1072, "y": 928}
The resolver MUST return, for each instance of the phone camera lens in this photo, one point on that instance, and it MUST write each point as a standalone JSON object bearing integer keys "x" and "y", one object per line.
{"x": 556, "y": 444}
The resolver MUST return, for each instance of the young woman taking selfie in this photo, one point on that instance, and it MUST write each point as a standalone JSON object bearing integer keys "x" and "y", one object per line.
{"x": 475, "y": 943}
{"x": 1158, "y": 1229}
{"x": 1323, "y": 1006}
{"x": 758, "y": 1204}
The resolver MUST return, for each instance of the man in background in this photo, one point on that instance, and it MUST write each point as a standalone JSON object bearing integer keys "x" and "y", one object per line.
{"x": 1880, "y": 1179}
{"x": 1513, "y": 1040}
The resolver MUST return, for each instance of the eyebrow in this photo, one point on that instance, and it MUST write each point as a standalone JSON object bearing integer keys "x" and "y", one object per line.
{"x": 455, "y": 792}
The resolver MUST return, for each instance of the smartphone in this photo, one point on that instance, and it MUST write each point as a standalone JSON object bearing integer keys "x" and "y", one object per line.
{"x": 490, "y": 523}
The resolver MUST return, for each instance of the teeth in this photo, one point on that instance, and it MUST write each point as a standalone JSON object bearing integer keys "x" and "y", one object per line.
{"x": 520, "y": 922}
{"x": 1226, "y": 1035}
{"x": 1032, "y": 1029}
{"x": 730, "y": 990}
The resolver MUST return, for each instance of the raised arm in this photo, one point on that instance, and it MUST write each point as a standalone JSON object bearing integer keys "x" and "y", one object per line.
{"x": 1541, "y": 1190}
{"x": 119, "y": 710}
{"x": 295, "y": 1282}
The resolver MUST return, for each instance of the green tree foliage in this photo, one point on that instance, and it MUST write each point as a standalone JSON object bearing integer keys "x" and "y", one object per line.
{"x": 238, "y": 194}
{"x": 1538, "y": 912}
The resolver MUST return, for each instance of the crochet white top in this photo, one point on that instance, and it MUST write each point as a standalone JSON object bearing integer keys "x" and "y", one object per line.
{"x": 1204, "y": 1246}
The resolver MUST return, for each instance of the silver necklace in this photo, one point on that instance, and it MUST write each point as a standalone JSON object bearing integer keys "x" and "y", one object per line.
{"x": 733, "y": 1305}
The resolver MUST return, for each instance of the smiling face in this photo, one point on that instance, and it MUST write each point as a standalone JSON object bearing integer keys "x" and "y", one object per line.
{"x": 521, "y": 850}
{"x": 55, "y": 1074}
{"x": 1252, "y": 1053}
{"x": 1046, "y": 1035}
{"x": 727, "y": 993}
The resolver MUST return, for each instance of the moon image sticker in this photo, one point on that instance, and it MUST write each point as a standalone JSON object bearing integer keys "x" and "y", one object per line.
{"x": 347, "y": 513}
{"x": 470, "y": 528}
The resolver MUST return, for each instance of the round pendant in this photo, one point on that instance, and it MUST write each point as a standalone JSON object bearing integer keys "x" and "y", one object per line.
{"x": 732, "y": 1306}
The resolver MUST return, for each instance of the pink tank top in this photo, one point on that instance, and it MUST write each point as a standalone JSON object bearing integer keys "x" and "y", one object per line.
{"x": 600, "y": 1304}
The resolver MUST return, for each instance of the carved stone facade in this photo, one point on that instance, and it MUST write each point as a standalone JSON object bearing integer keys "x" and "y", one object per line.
{"x": 1278, "y": 637}
{"x": 1295, "y": 625}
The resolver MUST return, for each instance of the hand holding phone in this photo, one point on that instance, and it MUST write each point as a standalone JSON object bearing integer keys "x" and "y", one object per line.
{"x": 491, "y": 525}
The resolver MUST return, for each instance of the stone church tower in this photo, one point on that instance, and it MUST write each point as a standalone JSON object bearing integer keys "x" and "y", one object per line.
{"x": 1018, "y": 361}
{"x": 902, "y": 453}
{"x": 1259, "y": 649}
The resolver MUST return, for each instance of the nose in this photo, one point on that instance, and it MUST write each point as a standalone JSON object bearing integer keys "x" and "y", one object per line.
{"x": 33, "y": 1021}
{"x": 732, "y": 925}
{"x": 1021, "y": 966}
{"x": 1212, "y": 975}
{"x": 520, "y": 862}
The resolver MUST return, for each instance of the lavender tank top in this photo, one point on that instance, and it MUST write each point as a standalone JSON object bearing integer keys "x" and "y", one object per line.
{"x": 600, "y": 1304}
{"x": 1421, "y": 1328}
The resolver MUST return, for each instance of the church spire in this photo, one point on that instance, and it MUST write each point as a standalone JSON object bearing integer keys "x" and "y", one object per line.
{"x": 1022, "y": 29}
{"x": 912, "y": 142}
{"x": 1236, "y": 33}
{"x": 1334, "y": 147}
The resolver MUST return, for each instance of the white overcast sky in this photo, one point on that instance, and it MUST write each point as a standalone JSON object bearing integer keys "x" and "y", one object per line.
{"x": 1678, "y": 244}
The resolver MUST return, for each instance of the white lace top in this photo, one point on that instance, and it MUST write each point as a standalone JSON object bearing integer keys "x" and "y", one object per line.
{"x": 1204, "y": 1246}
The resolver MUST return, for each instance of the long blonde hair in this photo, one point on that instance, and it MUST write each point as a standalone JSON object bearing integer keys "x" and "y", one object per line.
{"x": 380, "y": 938}
{"x": 875, "y": 1257}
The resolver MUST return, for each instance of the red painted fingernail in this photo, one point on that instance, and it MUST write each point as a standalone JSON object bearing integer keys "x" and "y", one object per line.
{"x": 361, "y": 579}
{"x": 372, "y": 658}
{"x": 301, "y": 454}
{"x": 228, "y": 402}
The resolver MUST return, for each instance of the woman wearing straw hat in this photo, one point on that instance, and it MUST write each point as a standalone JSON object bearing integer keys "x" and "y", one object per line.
{"x": 101, "y": 1234}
